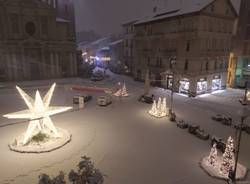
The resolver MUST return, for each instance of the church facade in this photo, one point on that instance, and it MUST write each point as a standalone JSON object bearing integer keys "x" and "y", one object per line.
{"x": 35, "y": 43}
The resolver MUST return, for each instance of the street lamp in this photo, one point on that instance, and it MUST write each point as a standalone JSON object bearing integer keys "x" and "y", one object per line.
{"x": 244, "y": 113}
{"x": 173, "y": 63}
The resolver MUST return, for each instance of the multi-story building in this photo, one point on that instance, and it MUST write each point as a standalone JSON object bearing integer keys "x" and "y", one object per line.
{"x": 128, "y": 34}
{"x": 192, "y": 42}
{"x": 116, "y": 63}
{"x": 239, "y": 62}
{"x": 34, "y": 42}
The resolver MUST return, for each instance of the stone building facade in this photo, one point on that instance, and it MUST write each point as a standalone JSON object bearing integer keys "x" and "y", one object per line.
{"x": 239, "y": 62}
{"x": 128, "y": 34}
{"x": 116, "y": 63}
{"x": 192, "y": 42}
{"x": 34, "y": 42}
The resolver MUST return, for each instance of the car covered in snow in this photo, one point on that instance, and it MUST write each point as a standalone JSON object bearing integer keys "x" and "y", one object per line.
{"x": 244, "y": 127}
{"x": 217, "y": 117}
{"x": 200, "y": 133}
{"x": 104, "y": 100}
{"x": 192, "y": 128}
{"x": 86, "y": 98}
{"x": 182, "y": 124}
{"x": 226, "y": 120}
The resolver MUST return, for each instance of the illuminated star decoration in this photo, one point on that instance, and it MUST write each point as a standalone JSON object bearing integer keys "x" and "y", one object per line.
{"x": 38, "y": 113}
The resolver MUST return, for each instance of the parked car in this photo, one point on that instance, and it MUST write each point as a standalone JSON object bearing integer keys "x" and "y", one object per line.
{"x": 217, "y": 117}
{"x": 104, "y": 100}
{"x": 200, "y": 133}
{"x": 192, "y": 129}
{"x": 97, "y": 77}
{"x": 227, "y": 121}
{"x": 86, "y": 98}
{"x": 182, "y": 124}
{"x": 146, "y": 99}
{"x": 220, "y": 144}
{"x": 237, "y": 126}
{"x": 247, "y": 129}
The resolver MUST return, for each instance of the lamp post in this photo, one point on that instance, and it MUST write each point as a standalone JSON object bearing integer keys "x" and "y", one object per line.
{"x": 244, "y": 113}
{"x": 173, "y": 63}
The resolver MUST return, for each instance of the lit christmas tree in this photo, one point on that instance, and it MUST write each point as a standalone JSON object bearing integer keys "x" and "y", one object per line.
{"x": 154, "y": 109}
{"x": 212, "y": 156}
{"x": 228, "y": 157}
{"x": 164, "y": 107}
{"x": 159, "y": 104}
{"x": 124, "y": 90}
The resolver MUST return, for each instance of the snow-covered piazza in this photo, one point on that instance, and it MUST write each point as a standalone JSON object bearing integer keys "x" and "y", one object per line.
{"x": 124, "y": 141}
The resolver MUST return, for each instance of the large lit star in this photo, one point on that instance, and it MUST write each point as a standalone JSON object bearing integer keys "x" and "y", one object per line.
{"x": 38, "y": 113}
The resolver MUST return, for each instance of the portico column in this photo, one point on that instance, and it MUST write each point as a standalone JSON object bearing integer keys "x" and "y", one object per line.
{"x": 209, "y": 83}
{"x": 57, "y": 65}
{"x": 75, "y": 64}
{"x": 51, "y": 64}
{"x": 16, "y": 66}
{"x": 8, "y": 62}
{"x": 71, "y": 60}
{"x": 193, "y": 86}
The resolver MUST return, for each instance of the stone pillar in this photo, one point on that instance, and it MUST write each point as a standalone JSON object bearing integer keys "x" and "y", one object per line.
{"x": 57, "y": 65}
{"x": 71, "y": 60}
{"x": 223, "y": 80}
{"x": 75, "y": 64}
{"x": 193, "y": 86}
{"x": 209, "y": 83}
{"x": 51, "y": 64}
{"x": 8, "y": 62}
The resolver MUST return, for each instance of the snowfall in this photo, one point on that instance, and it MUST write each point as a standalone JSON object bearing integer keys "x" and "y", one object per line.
{"x": 127, "y": 144}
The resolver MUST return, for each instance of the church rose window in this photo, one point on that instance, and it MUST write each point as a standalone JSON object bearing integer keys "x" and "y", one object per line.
{"x": 30, "y": 28}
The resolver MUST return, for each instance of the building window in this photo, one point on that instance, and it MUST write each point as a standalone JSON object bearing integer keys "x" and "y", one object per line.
{"x": 247, "y": 36}
{"x": 44, "y": 25}
{"x": 15, "y": 23}
{"x": 158, "y": 62}
{"x": 248, "y": 19}
{"x": 207, "y": 66}
{"x": 30, "y": 28}
{"x": 186, "y": 65}
{"x": 215, "y": 64}
{"x": 212, "y": 8}
{"x": 66, "y": 8}
{"x": 221, "y": 65}
{"x": 188, "y": 46}
{"x": 148, "y": 61}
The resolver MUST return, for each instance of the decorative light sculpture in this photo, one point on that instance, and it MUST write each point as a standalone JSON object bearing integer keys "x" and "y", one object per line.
{"x": 122, "y": 92}
{"x": 228, "y": 157}
{"x": 39, "y": 113}
{"x": 212, "y": 158}
{"x": 219, "y": 166}
{"x": 159, "y": 109}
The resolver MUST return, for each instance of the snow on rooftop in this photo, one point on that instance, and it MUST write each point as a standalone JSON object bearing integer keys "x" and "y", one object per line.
{"x": 99, "y": 41}
{"x": 185, "y": 7}
{"x": 116, "y": 42}
{"x": 58, "y": 19}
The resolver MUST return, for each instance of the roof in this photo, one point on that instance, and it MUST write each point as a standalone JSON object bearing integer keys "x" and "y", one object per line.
{"x": 116, "y": 42}
{"x": 100, "y": 41}
{"x": 186, "y": 7}
{"x": 58, "y": 19}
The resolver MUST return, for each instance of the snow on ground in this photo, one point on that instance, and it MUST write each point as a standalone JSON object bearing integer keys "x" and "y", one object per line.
{"x": 127, "y": 144}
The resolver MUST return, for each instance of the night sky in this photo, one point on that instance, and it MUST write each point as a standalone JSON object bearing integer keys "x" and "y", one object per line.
{"x": 106, "y": 16}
